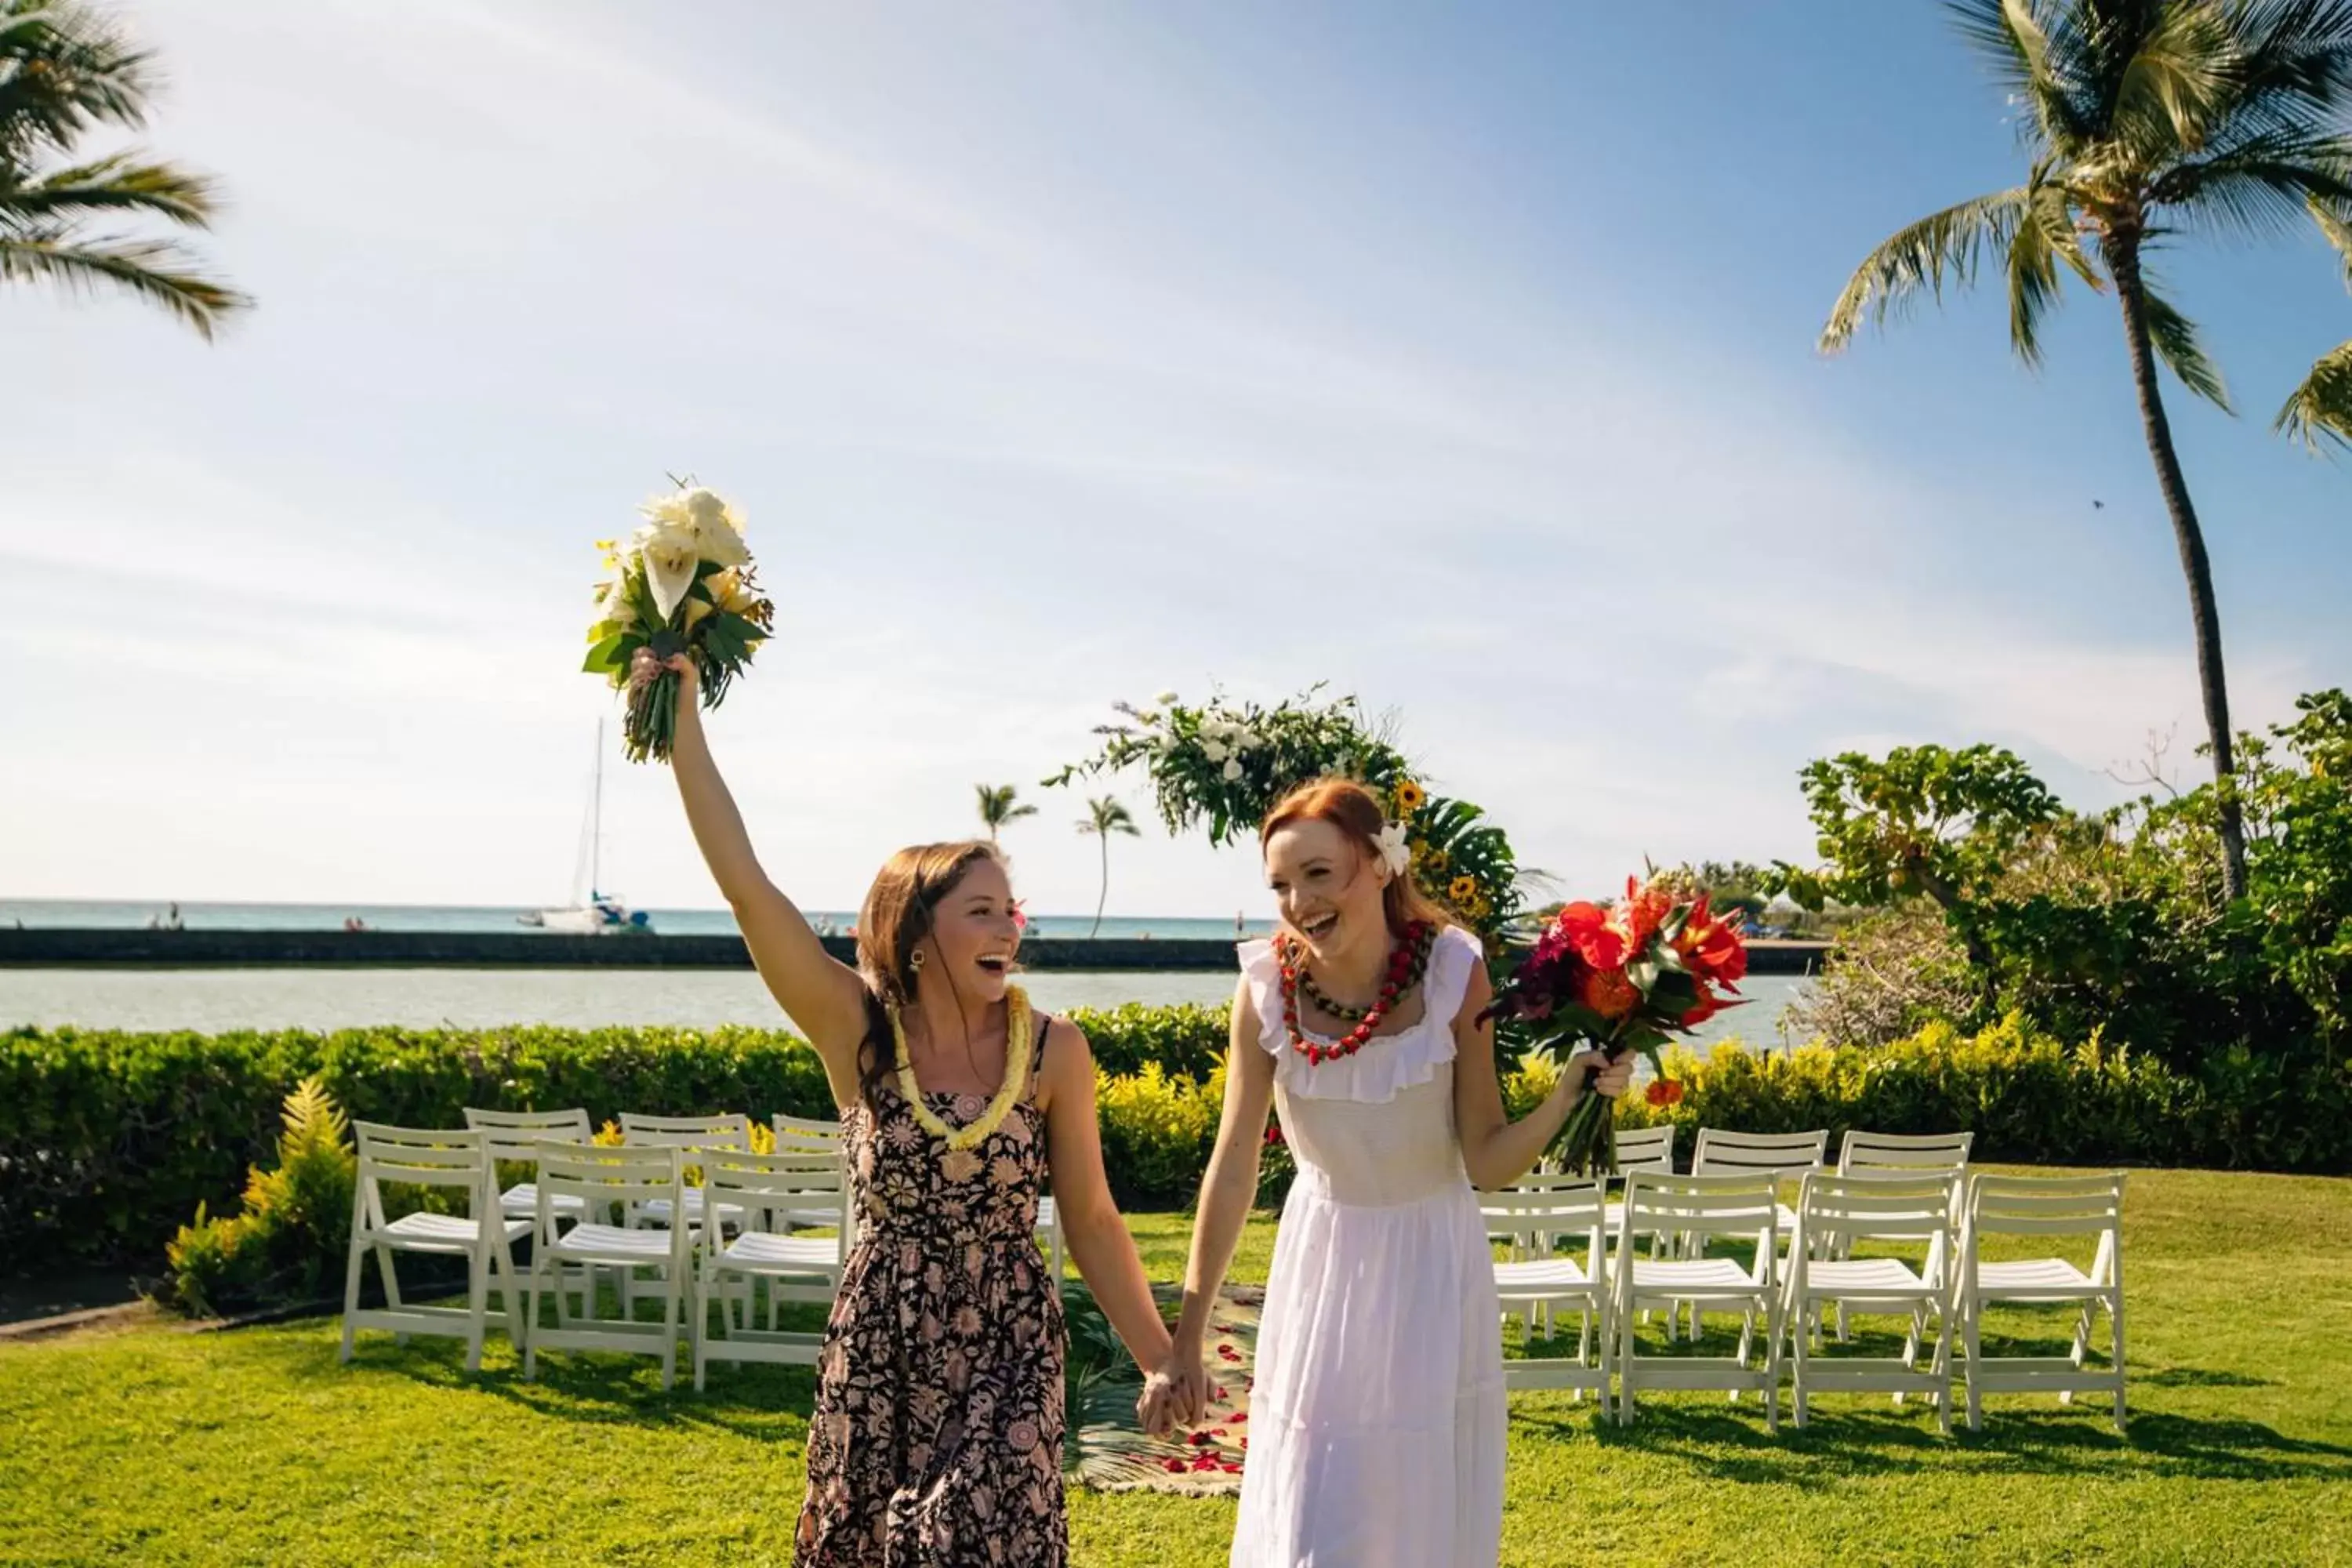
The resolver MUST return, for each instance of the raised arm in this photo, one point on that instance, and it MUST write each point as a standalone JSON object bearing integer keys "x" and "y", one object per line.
{"x": 1497, "y": 1151}
{"x": 823, "y": 997}
{"x": 1097, "y": 1237}
{"x": 1226, "y": 1194}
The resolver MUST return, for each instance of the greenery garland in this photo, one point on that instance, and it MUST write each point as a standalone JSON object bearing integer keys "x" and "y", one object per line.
{"x": 1224, "y": 764}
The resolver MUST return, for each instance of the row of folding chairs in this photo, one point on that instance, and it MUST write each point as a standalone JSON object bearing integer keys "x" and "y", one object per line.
{"x": 1784, "y": 1294}
{"x": 513, "y": 1135}
{"x": 775, "y": 1225}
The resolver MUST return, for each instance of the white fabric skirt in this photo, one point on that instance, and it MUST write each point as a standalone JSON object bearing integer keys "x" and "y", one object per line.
{"x": 1378, "y": 1416}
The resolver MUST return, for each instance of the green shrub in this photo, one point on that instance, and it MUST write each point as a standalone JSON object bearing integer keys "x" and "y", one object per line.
{"x": 2030, "y": 1097}
{"x": 109, "y": 1142}
{"x": 1188, "y": 1039}
{"x": 295, "y": 1225}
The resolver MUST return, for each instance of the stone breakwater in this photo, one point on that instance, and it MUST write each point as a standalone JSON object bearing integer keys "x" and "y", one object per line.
{"x": 59, "y": 947}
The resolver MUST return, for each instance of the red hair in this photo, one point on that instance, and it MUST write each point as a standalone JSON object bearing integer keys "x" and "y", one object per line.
{"x": 1356, "y": 813}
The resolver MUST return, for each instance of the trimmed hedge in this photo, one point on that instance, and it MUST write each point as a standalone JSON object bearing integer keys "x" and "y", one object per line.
{"x": 109, "y": 1141}
{"x": 2031, "y": 1099}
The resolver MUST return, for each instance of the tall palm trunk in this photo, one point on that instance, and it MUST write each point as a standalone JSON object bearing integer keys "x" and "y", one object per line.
{"x": 1102, "y": 897}
{"x": 2122, "y": 255}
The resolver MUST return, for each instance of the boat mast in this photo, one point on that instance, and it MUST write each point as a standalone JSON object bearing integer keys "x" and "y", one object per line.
{"x": 596, "y": 830}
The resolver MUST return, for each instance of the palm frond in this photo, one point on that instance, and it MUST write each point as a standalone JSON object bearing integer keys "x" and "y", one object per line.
{"x": 1942, "y": 247}
{"x": 2298, "y": 50}
{"x": 2321, "y": 407}
{"x": 63, "y": 67}
{"x": 2169, "y": 93}
{"x": 148, "y": 268}
{"x": 2015, "y": 38}
{"x": 2046, "y": 236}
{"x": 2261, "y": 185}
{"x": 115, "y": 183}
{"x": 2176, "y": 340}
{"x": 2338, "y": 231}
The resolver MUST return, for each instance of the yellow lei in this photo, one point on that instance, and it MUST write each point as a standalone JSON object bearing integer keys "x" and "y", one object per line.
{"x": 1016, "y": 1072}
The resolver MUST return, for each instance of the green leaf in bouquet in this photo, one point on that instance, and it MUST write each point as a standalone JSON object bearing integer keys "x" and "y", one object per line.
{"x": 715, "y": 643}
{"x": 1676, "y": 991}
{"x": 747, "y": 630}
{"x": 605, "y": 658}
{"x": 602, "y": 630}
{"x": 1644, "y": 973}
{"x": 1673, "y": 925}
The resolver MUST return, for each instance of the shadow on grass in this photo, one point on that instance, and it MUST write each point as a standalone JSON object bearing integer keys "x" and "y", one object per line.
{"x": 1732, "y": 1444}
{"x": 764, "y": 1402}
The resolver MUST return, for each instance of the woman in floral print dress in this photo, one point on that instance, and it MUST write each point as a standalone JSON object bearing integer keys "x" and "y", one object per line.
{"x": 937, "y": 1438}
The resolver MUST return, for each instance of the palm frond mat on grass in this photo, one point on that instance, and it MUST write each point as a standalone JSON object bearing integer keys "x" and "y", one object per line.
{"x": 1109, "y": 1451}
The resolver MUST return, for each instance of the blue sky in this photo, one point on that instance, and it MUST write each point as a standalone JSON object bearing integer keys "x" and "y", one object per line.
{"x": 1060, "y": 354}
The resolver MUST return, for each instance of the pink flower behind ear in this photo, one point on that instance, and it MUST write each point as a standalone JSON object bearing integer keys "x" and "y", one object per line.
{"x": 1020, "y": 918}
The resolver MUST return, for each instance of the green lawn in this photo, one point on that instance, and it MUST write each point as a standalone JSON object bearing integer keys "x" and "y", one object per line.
{"x": 154, "y": 1445}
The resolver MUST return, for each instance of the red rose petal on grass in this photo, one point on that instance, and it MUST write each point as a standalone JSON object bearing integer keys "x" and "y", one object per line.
{"x": 1198, "y": 1440}
{"x": 1173, "y": 1466}
{"x": 1230, "y": 1469}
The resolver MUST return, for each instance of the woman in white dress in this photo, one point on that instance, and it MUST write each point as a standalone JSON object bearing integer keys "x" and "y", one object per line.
{"x": 1377, "y": 1413}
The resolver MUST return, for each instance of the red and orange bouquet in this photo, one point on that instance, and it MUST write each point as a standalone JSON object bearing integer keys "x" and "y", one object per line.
{"x": 1626, "y": 977}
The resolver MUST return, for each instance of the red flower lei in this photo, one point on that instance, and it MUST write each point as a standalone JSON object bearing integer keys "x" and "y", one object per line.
{"x": 1414, "y": 945}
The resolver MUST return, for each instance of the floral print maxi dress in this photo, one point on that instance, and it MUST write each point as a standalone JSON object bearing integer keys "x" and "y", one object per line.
{"x": 938, "y": 1434}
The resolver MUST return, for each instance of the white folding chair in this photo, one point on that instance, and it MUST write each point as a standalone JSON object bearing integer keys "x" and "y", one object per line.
{"x": 1919, "y": 1207}
{"x": 1899, "y": 1153}
{"x": 1783, "y": 1156}
{"x": 1049, "y": 1237}
{"x": 1641, "y": 1149}
{"x": 1743, "y": 1205}
{"x": 775, "y": 1194}
{"x": 514, "y": 1137}
{"x": 1892, "y": 1154}
{"x": 603, "y": 1179}
{"x": 429, "y": 1158}
{"x": 1531, "y": 1286}
{"x": 2083, "y": 1207}
{"x": 803, "y": 1134}
{"x": 728, "y": 1131}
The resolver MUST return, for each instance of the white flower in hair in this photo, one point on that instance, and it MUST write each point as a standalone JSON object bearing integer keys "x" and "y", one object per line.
{"x": 1395, "y": 853}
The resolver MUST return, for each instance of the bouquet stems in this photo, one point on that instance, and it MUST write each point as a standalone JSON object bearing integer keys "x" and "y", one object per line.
{"x": 1587, "y": 1143}
{"x": 650, "y": 725}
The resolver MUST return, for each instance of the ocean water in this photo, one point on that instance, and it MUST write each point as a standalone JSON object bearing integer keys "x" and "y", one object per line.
{"x": 121, "y": 915}
{"x": 213, "y": 1000}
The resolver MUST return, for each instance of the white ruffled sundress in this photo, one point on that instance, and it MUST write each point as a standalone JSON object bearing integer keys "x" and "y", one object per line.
{"x": 1377, "y": 1415}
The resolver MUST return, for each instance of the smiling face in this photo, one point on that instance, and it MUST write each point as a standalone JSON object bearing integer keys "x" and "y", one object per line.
{"x": 1327, "y": 889}
{"x": 974, "y": 934}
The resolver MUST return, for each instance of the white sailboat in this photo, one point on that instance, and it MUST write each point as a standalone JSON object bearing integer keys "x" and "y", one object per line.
{"x": 591, "y": 911}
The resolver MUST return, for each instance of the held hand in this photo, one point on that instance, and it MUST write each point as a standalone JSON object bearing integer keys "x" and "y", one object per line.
{"x": 1154, "y": 1408}
{"x": 644, "y": 667}
{"x": 1613, "y": 1079}
{"x": 1186, "y": 1399}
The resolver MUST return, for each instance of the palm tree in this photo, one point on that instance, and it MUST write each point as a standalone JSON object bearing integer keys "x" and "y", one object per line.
{"x": 997, "y": 808}
{"x": 1106, "y": 816}
{"x": 64, "y": 69}
{"x": 2321, "y": 405}
{"x": 2142, "y": 119}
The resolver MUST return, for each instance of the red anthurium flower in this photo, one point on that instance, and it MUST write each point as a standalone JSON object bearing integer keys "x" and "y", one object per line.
{"x": 1587, "y": 930}
{"x": 1712, "y": 948}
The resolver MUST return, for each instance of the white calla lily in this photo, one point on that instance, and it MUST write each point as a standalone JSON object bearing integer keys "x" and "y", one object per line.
{"x": 670, "y": 554}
